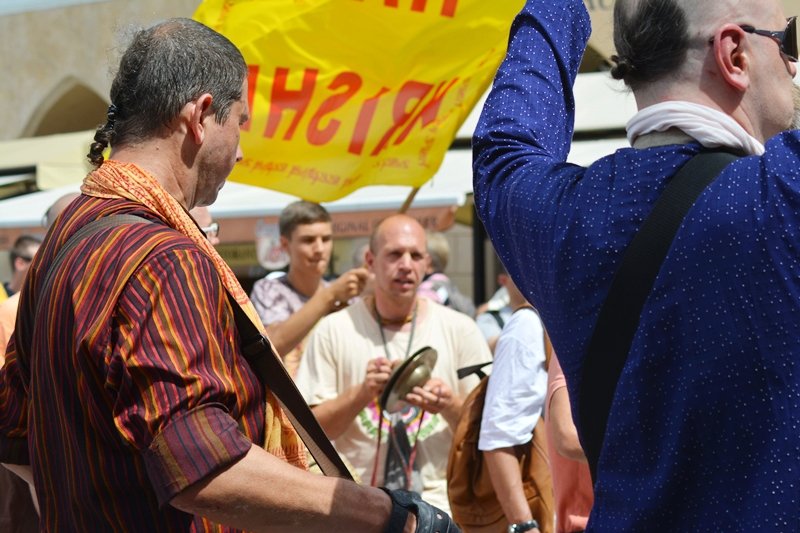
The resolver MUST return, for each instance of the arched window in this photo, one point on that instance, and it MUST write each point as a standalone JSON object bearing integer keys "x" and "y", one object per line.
{"x": 70, "y": 106}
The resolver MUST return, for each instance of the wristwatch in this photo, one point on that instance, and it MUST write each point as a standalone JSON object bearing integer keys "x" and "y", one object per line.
{"x": 523, "y": 526}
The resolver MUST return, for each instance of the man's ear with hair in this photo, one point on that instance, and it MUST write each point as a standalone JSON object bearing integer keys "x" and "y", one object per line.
{"x": 369, "y": 260}
{"x": 196, "y": 113}
{"x": 732, "y": 56}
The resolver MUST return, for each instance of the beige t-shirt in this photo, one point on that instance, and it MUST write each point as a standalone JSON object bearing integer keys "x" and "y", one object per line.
{"x": 336, "y": 359}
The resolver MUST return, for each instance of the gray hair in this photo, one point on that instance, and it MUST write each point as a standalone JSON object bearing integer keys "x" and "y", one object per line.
{"x": 165, "y": 67}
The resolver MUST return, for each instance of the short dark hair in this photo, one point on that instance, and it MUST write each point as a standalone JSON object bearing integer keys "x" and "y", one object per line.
{"x": 298, "y": 213}
{"x": 166, "y": 66}
{"x": 22, "y": 248}
{"x": 651, "y": 38}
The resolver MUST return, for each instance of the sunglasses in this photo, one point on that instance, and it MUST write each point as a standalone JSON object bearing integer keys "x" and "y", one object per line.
{"x": 787, "y": 39}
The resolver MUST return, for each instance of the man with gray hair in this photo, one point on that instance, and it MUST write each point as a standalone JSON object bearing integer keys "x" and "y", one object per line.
{"x": 703, "y": 414}
{"x": 127, "y": 399}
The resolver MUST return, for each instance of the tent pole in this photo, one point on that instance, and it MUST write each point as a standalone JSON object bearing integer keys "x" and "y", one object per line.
{"x": 409, "y": 200}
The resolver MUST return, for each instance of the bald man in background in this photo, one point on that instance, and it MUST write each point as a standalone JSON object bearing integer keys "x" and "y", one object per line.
{"x": 351, "y": 354}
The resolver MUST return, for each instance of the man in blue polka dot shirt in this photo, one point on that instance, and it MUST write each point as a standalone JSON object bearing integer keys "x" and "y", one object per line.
{"x": 703, "y": 432}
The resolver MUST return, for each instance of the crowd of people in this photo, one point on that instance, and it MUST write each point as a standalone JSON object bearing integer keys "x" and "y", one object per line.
{"x": 131, "y": 401}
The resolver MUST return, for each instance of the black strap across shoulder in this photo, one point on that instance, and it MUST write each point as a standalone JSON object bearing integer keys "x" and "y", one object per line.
{"x": 268, "y": 367}
{"x": 619, "y": 317}
{"x": 258, "y": 352}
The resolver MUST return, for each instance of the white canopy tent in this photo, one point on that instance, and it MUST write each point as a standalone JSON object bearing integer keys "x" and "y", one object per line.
{"x": 60, "y": 163}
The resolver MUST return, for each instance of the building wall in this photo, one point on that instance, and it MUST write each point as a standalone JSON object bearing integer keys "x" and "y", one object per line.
{"x": 47, "y": 56}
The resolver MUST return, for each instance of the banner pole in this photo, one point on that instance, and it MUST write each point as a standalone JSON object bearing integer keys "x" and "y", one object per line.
{"x": 409, "y": 200}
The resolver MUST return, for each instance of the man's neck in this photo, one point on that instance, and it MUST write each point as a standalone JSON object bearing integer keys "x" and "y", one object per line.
{"x": 305, "y": 284}
{"x": 392, "y": 312}
{"x": 171, "y": 175}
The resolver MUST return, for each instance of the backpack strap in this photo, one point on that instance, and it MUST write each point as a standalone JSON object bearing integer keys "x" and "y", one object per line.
{"x": 497, "y": 318}
{"x": 619, "y": 317}
{"x": 83, "y": 233}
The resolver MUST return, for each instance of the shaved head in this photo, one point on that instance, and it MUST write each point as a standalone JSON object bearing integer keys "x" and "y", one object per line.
{"x": 391, "y": 224}
{"x": 660, "y": 40}
{"x": 57, "y": 207}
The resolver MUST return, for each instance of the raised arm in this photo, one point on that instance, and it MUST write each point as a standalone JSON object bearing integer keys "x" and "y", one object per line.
{"x": 525, "y": 130}
{"x": 287, "y": 334}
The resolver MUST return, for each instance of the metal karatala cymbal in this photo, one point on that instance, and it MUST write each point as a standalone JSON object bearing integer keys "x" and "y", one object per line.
{"x": 415, "y": 371}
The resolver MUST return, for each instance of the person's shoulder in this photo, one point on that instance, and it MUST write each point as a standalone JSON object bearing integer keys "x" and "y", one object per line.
{"x": 272, "y": 280}
{"x": 343, "y": 319}
{"x": 525, "y": 315}
{"x": 450, "y": 317}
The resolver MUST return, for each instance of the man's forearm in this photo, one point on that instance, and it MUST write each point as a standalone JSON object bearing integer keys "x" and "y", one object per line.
{"x": 453, "y": 412}
{"x": 504, "y": 472}
{"x": 286, "y": 335}
{"x": 244, "y": 496}
{"x": 336, "y": 415}
{"x": 562, "y": 428}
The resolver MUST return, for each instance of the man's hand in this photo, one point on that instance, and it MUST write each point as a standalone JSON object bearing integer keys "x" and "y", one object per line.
{"x": 347, "y": 286}
{"x": 435, "y": 396}
{"x": 378, "y": 372}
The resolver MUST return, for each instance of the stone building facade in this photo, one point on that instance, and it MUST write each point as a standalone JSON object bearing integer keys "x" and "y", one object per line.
{"x": 56, "y": 60}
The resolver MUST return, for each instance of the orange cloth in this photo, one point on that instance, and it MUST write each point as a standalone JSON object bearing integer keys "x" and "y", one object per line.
{"x": 572, "y": 482}
{"x": 116, "y": 179}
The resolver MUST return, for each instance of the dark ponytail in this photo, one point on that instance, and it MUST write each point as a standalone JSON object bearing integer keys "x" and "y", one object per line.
{"x": 651, "y": 38}
{"x": 102, "y": 138}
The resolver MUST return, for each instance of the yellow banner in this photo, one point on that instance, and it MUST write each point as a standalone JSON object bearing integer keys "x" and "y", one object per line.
{"x": 349, "y": 93}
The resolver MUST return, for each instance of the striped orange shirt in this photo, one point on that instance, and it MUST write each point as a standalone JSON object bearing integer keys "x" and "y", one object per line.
{"x": 121, "y": 402}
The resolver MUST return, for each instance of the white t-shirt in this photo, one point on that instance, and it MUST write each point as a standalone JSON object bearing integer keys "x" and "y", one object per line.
{"x": 336, "y": 359}
{"x": 518, "y": 384}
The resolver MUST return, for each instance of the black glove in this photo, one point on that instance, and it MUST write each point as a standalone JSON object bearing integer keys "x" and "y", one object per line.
{"x": 430, "y": 519}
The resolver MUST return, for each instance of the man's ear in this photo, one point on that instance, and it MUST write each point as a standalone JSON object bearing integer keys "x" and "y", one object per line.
{"x": 732, "y": 56}
{"x": 284, "y": 243}
{"x": 198, "y": 112}
{"x": 369, "y": 259}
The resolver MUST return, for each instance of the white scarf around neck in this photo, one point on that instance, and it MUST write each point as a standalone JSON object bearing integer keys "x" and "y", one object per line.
{"x": 709, "y": 127}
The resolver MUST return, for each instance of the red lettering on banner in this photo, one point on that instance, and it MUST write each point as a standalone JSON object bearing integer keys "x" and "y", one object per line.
{"x": 415, "y": 103}
{"x": 448, "y": 6}
{"x": 364, "y": 121}
{"x": 428, "y": 113}
{"x": 409, "y": 91}
{"x": 252, "y": 79}
{"x": 283, "y": 98}
{"x": 352, "y": 82}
